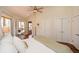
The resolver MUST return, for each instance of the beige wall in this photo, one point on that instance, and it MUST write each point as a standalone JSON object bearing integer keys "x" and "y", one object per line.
{"x": 56, "y": 23}
{"x": 47, "y": 19}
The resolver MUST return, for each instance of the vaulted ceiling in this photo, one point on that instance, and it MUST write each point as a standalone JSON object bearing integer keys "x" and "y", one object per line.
{"x": 21, "y": 11}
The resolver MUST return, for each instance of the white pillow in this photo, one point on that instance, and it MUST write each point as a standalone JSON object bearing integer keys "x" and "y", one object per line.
{"x": 7, "y": 48}
{"x": 20, "y": 45}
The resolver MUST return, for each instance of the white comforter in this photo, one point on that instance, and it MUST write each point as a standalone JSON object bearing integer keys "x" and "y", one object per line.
{"x": 6, "y": 45}
{"x": 13, "y": 45}
{"x": 36, "y": 47}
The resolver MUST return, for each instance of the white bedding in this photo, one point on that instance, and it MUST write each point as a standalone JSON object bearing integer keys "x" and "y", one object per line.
{"x": 7, "y": 46}
{"x": 37, "y": 47}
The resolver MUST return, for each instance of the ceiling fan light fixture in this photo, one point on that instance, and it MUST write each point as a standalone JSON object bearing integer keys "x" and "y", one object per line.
{"x": 34, "y": 11}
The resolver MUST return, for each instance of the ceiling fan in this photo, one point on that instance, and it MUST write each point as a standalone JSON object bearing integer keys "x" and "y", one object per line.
{"x": 36, "y": 9}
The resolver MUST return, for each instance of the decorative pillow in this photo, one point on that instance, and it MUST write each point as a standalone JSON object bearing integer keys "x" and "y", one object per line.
{"x": 20, "y": 45}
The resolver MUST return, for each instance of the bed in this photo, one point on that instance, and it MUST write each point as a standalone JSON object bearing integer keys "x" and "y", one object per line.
{"x": 6, "y": 45}
{"x": 38, "y": 44}
{"x": 35, "y": 46}
{"x": 16, "y": 45}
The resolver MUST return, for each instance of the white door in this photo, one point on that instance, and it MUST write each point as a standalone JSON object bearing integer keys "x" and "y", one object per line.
{"x": 63, "y": 29}
{"x": 58, "y": 29}
{"x": 66, "y": 28}
{"x": 75, "y": 31}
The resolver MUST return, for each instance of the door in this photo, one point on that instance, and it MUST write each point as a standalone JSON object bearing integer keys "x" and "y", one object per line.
{"x": 66, "y": 29}
{"x": 58, "y": 29}
{"x": 63, "y": 29}
{"x": 75, "y": 31}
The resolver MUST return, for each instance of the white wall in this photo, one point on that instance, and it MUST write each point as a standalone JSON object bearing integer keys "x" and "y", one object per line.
{"x": 47, "y": 20}
{"x": 56, "y": 23}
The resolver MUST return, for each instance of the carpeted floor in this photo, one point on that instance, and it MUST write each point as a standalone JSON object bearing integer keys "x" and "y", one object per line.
{"x": 52, "y": 44}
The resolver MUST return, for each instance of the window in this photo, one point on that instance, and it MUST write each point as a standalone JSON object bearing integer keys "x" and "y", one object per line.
{"x": 21, "y": 24}
{"x": 8, "y": 22}
{"x": 30, "y": 25}
{"x": 5, "y": 22}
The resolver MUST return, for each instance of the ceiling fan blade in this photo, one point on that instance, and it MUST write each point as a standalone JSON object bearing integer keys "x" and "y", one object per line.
{"x": 40, "y": 8}
{"x": 36, "y": 9}
{"x": 40, "y": 11}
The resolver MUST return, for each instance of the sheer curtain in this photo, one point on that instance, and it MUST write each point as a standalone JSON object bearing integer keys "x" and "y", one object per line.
{"x": 1, "y": 33}
{"x": 5, "y": 22}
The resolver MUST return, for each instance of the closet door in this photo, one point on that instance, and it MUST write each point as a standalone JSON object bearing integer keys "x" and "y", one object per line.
{"x": 63, "y": 29}
{"x": 58, "y": 29}
{"x": 75, "y": 31}
{"x": 66, "y": 29}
